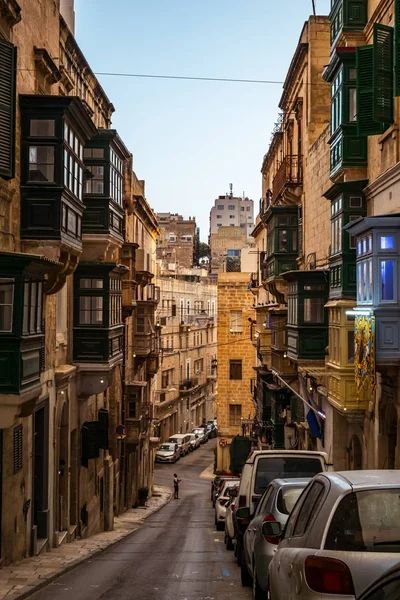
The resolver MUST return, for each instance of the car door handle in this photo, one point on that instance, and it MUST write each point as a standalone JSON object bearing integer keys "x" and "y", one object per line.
{"x": 254, "y": 528}
{"x": 290, "y": 570}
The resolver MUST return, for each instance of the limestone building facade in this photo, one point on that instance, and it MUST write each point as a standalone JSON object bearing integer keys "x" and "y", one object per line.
{"x": 236, "y": 358}
{"x": 186, "y": 384}
{"x": 178, "y": 243}
{"x": 77, "y": 249}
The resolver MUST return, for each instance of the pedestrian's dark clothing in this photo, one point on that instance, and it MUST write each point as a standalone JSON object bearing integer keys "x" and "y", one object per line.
{"x": 176, "y": 487}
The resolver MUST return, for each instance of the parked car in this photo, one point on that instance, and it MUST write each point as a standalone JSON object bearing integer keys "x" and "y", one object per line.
{"x": 201, "y": 433}
{"x": 386, "y": 587}
{"x": 221, "y": 502}
{"x": 220, "y": 483}
{"x": 260, "y": 468}
{"x": 276, "y": 504}
{"x": 343, "y": 533}
{"x": 194, "y": 441}
{"x": 183, "y": 441}
{"x": 231, "y": 507}
{"x": 211, "y": 429}
{"x": 168, "y": 453}
{"x": 215, "y": 484}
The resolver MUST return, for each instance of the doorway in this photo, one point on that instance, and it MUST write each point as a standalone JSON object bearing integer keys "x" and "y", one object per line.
{"x": 355, "y": 454}
{"x": 1, "y": 482}
{"x": 40, "y": 477}
{"x": 62, "y": 473}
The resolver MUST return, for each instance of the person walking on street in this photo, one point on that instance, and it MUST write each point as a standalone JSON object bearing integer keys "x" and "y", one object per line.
{"x": 176, "y": 486}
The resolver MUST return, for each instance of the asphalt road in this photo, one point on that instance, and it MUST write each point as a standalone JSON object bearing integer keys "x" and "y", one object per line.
{"x": 176, "y": 555}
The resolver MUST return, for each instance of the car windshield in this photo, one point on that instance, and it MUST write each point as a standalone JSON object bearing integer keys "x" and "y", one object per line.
{"x": 279, "y": 467}
{"x": 287, "y": 498}
{"x": 198, "y": 431}
{"x": 166, "y": 447}
{"x": 192, "y": 437}
{"x": 366, "y": 521}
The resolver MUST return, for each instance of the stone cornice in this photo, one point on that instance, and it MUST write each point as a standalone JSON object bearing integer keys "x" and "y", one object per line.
{"x": 10, "y": 11}
{"x": 46, "y": 65}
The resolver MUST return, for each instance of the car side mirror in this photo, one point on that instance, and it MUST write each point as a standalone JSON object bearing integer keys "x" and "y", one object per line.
{"x": 243, "y": 513}
{"x": 196, "y": 436}
{"x": 272, "y": 529}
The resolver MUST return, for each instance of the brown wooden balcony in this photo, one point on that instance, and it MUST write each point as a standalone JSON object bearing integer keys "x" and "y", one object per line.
{"x": 290, "y": 172}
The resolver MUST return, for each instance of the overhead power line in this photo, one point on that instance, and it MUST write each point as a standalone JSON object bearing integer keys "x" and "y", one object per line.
{"x": 184, "y": 77}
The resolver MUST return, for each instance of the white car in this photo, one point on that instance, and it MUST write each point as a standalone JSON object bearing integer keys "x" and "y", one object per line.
{"x": 342, "y": 534}
{"x": 221, "y": 502}
{"x": 194, "y": 441}
{"x": 201, "y": 433}
{"x": 229, "y": 525}
{"x": 168, "y": 453}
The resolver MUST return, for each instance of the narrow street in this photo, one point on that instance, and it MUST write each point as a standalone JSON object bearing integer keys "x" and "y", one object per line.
{"x": 176, "y": 555}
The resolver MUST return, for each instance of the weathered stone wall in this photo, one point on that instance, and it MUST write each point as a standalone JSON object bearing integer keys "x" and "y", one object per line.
{"x": 316, "y": 208}
{"x": 233, "y": 294}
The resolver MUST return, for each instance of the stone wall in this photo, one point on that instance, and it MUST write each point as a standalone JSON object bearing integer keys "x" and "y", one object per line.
{"x": 233, "y": 294}
{"x": 316, "y": 208}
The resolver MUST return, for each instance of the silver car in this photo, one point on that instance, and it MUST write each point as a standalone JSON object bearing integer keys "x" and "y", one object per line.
{"x": 276, "y": 504}
{"x": 194, "y": 441}
{"x": 343, "y": 533}
{"x": 168, "y": 453}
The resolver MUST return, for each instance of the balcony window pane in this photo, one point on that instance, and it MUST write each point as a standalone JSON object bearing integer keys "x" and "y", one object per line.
{"x": 6, "y": 304}
{"x": 352, "y": 104}
{"x": 42, "y": 127}
{"x": 95, "y": 185}
{"x": 41, "y": 163}
{"x": 236, "y": 321}
{"x": 91, "y": 310}
{"x": 387, "y": 279}
{"x": 89, "y": 283}
{"x": 282, "y": 240}
{"x": 33, "y": 302}
{"x": 359, "y": 282}
{"x": 294, "y": 240}
{"x": 314, "y": 310}
{"x": 71, "y": 224}
{"x": 25, "y": 325}
{"x": 387, "y": 242}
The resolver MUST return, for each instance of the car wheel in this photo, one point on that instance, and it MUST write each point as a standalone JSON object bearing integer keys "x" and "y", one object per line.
{"x": 229, "y": 542}
{"x": 245, "y": 576}
{"x": 258, "y": 592}
{"x": 239, "y": 551}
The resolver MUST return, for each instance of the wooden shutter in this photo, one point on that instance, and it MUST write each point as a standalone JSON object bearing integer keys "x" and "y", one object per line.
{"x": 366, "y": 125}
{"x": 397, "y": 47}
{"x": 7, "y": 108}
{"x": 383, "y": 104}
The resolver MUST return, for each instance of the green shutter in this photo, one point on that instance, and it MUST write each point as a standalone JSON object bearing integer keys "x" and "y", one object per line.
{"x": 397, "y": 47}
{"x": 366, "y": 125}
{"x": 7, "y": 108}
{"x": 383, "y": 105}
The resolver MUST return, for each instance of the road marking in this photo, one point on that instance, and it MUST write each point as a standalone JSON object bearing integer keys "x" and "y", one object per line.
{"x": 225, "y": 572}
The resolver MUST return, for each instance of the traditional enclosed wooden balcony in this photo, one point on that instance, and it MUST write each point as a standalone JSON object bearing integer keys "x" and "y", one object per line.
{"x": 290, "y": 173}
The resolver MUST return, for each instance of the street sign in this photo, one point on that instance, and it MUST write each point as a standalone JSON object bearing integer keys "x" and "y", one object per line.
{"x": 223, "y": 443}
{"x": 120, "y": 432}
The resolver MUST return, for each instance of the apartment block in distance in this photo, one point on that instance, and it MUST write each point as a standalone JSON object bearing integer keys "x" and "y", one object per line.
{"x": 178, "y": 243}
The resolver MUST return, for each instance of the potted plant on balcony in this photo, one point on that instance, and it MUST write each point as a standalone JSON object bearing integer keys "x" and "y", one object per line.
{"x": 143, "y": 495}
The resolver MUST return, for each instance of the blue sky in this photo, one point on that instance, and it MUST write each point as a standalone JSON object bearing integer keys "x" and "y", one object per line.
{"x": 190, "y": 139}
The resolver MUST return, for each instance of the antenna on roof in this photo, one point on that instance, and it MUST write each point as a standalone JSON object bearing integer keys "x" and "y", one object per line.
{"x": 313, "y": 7}
{"x": 231, "y": 189}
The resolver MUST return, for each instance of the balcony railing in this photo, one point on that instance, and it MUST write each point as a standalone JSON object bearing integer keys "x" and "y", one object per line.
{"x": 189, "y": 384}
{"x": 289, "y": 172}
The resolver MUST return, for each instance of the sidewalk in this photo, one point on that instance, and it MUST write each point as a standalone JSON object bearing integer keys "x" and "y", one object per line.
{"x": 208, "y": 473}
{"x": 22, "y": 579}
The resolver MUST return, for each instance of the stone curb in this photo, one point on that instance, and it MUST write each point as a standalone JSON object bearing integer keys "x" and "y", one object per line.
{"x": 208, "y": 473}
{"x": 47, "y": 580}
